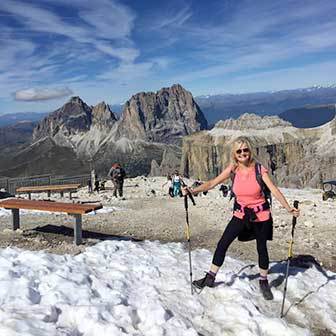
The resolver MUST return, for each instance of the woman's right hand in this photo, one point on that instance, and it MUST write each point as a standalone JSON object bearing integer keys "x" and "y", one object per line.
{"x": 187, "y": 190}
{"x": 294, "y": 212}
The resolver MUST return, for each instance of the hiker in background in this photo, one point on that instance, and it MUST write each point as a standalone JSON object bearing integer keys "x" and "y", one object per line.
{"x": 224, "y": 189}
{"x": 89, "y": 184}
{"x": 102, "y": 185}
{"x": 251, "y": 214}
{"x": 96, "y": 188}
{"x": 177, "y": 183}
{"x": 93, "y": 178}
{"x": 117, "y": 174}
{"x": 169, "y": 183}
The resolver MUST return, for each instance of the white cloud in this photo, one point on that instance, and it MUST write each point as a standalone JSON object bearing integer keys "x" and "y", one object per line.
{"x": 128, "y": 72}
{"x": 127, "y": 55}
{"x": 110, "y": 19}
{"x": 36, "y": 94}
{"x": 105, "y": 25}
{"x": 173, "y": 19}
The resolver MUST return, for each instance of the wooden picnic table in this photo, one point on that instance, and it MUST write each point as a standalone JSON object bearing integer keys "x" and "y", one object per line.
{"x": 61, "y": 188}
{"x": 73, "y": 209}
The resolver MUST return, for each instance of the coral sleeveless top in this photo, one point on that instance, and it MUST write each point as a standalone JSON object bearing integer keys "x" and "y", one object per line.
{"x": 248, "y": 192}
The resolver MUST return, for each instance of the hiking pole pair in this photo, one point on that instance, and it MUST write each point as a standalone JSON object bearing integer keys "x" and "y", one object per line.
{"x": 290, "y": 255}
{"x": 188, "y": 232}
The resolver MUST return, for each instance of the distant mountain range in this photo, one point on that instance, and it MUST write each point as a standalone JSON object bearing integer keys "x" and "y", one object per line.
{"x": 309, "y": 116}
{"x": 225, "y": 106}
{"x": 15, "y": 137}
{"x": 307, "y": 107}
{"x": 13, "y": 118}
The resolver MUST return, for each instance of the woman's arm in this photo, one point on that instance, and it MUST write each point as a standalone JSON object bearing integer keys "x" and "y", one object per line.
{"x": 224, "y": 175}
{"x": 279, "y": 196}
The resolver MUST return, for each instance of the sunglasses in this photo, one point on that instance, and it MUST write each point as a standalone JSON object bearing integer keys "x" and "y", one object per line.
{"x": 243, "y": 150}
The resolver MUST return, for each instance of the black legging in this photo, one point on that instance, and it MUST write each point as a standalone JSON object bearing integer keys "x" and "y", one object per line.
{"x": 231, "y": 232}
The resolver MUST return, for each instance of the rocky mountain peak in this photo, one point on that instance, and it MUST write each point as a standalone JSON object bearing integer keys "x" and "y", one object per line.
{"x": 164, "y": 116}
{"x": 72, "y": 117}
{"x": 76, "y": 100}
{"x": 102, "y": 115}
{"x": 252, "y": 121}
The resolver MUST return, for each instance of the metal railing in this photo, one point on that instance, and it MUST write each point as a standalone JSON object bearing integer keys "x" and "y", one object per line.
{"x": 11, "y": 184}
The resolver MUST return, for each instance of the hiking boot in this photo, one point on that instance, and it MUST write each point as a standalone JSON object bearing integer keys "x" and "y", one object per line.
{"x": 265, "y": 289}
{"x": 208, "y": 280}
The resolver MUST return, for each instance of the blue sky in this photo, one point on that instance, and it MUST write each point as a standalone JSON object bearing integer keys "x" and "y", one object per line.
{"x": 108, "y": 50}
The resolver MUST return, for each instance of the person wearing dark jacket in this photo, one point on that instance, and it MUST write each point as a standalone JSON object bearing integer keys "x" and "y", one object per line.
{"x": 251, "y": 214}
{"x": 117, "y": 174}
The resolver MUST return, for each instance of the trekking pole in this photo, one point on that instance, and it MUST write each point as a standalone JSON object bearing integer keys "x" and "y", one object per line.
{"x": 290, "y": 255}
{"x": 188, "y": 233}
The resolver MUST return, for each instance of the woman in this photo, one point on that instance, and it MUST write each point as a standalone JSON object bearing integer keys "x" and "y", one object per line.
{"x": 170, "y": 185}
{"x": 177, "y": 182}
{"x": 251, "y": 211}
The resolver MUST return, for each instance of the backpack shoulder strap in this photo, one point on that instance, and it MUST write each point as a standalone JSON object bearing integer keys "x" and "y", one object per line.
{"x": 263, "y": 186}
{"x": 232, "y": 176}
{"x": 258, "y": 172}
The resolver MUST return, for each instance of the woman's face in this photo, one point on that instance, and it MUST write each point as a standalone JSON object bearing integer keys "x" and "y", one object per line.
{"x": 242, "y": 153}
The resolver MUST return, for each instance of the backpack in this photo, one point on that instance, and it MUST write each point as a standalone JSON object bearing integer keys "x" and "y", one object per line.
{"x": 264, "y": 188}
{"x": 118, "y": 173}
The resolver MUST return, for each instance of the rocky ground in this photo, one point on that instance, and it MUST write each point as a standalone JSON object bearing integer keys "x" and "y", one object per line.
{"x": 147, "y": 212}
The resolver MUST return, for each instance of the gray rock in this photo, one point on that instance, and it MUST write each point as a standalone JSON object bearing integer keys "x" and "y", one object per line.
{"x": 165, "y": 116}
{"x": 295, "y": 157}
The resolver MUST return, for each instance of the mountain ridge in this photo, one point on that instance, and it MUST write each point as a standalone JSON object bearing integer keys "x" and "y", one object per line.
{"x": 151, "y": 123}
{"x": 225, "y": 106}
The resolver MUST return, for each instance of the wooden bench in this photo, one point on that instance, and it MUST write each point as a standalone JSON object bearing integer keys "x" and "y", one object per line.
{"x": 73, "y": 209}
{"x": 61, "y": 188}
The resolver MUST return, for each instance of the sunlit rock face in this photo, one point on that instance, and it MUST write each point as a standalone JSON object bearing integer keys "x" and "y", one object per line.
{"x": 295, "y": 157}
{"x": 102, "y": 116}
{"x": 165, "y": 116}
{"x": 73, "y": 117}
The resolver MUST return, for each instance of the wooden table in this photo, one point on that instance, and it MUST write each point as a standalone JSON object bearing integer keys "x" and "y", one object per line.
{"x": 61, "y": 188}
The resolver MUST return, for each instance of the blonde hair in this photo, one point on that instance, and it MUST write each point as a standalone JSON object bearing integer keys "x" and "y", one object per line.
{"x": 236, "y": 144}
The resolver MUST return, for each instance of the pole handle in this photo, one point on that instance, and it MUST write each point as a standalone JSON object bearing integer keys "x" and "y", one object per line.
{"x": 296, "y": 206}
{"x": 189, "y": 195}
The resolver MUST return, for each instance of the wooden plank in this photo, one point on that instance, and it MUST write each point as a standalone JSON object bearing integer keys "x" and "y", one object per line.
{"x": 70, "y": 208}
{"x": 47, "y": 188}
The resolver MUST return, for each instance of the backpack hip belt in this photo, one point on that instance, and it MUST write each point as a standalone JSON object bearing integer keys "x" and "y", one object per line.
{"x": 250, "y": 213}
{"x": 262, "y": 207}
